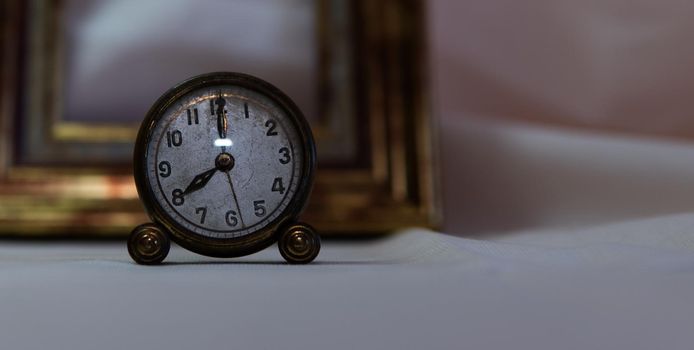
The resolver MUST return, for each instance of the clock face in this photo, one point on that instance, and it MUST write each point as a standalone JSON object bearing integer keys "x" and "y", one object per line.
{"x": 224, "y": 161}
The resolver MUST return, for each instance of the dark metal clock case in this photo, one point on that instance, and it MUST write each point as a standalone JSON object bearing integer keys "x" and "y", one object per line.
{"x": 228, "y": 247}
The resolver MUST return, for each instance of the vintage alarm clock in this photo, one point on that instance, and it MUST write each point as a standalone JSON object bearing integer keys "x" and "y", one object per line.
{"x": 224, "y": 164}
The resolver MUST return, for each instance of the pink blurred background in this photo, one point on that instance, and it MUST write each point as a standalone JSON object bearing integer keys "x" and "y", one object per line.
{"x": 557, "y": 113}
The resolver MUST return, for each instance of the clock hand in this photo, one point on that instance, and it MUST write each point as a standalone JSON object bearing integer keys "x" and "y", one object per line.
{"x": 236, "y": 201}
{"x": 199, "y": 181}
{"x": 221, "y": 117}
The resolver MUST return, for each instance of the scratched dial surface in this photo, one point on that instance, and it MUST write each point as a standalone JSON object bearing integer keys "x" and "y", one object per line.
{"x": 224, "y": 162}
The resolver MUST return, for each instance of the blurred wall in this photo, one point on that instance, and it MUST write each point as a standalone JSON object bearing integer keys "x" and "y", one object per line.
{"x": 185, "y": 38}
{"x": 562, "y": 113}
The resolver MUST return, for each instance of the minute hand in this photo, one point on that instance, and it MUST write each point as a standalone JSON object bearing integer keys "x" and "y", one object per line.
{"x": 199, "y": 181}
{"x": 221, "y": 117}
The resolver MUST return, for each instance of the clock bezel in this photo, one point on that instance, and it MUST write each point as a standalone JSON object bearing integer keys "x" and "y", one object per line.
{"x": 224, "y": 247}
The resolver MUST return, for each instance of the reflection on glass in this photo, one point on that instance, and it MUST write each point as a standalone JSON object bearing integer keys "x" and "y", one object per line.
{"x": 223, "y": 143}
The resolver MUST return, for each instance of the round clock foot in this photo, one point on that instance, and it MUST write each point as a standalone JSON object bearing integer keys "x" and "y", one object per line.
{"x": 148, "y": 244}
{"x": 299, "y": 243}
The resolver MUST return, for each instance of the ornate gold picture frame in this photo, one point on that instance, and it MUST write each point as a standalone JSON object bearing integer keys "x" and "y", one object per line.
{"x": 69, "y": 179}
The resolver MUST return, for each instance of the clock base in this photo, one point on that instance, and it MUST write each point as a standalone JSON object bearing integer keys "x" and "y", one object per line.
{"x": 299, "y": 243}
{"x": 148, "y": 244}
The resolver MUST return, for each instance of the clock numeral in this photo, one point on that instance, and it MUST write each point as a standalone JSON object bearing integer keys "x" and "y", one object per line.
{"x": 193, "y": 117}
{"x": 202, "y": 210}
{"x": 277, "y": 185}
{"x": 245, "y": 109}
{"x": 259, "y": 207}
{"x": 177, "y": 197}
{"x": 231, "y": 218}
{"x": 271, "y": 124}
{"x": 164, "y": 169}
{"x": 174, "y": 138}
{"x": 286, "y": 155}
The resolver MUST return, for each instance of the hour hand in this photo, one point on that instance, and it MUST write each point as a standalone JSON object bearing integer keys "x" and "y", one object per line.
{"x": 199, "y": 181}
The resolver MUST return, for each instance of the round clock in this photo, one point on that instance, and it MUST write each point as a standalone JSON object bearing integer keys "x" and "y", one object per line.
{"x": 224, "y": 164}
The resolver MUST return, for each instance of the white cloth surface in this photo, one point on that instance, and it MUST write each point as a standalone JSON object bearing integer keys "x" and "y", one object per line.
{"x": 622, "y": 286}
{"x": 503, "y": 176}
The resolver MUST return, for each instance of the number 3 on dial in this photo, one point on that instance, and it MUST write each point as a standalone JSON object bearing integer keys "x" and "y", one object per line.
{"x": 285, "y": 155}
